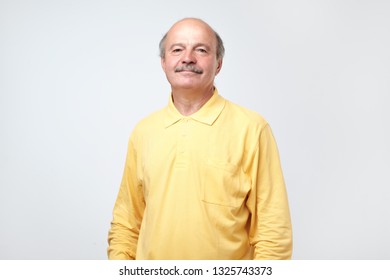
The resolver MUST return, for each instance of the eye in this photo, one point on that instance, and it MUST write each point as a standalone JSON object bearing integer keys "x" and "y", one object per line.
{"x": 201, "y": 50}
{"x": 176, "y": 50}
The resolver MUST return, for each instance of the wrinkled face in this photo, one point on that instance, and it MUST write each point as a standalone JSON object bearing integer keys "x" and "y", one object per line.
{"x": 190, "y": 60}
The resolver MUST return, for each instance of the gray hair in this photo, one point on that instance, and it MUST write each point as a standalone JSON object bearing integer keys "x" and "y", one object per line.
{"x": 220, "y": 47}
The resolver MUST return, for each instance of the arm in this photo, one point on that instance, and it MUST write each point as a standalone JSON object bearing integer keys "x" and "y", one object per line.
{"x": 270, "y": 233}
{"x": 128, "y": 212}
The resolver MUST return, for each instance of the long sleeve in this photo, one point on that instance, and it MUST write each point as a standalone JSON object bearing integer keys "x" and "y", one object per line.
{"x": 271, "y": 230}
{"x": 128, "y": 211}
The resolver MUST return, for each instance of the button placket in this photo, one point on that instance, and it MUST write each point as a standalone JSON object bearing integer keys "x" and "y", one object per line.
{"x": 182, "y": 149}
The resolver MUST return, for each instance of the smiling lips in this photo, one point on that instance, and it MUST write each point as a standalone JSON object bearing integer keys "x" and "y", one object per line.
{"x": 190, "y": 68}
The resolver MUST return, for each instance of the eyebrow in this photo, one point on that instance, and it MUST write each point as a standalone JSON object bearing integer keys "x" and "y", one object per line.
{"x": 176, "y": 45}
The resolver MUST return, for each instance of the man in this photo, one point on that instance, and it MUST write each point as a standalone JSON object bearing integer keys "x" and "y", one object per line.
{"x": 202, "y": 178}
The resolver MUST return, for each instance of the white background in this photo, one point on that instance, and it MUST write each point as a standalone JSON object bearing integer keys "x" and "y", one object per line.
{"x": 75, "y": 77}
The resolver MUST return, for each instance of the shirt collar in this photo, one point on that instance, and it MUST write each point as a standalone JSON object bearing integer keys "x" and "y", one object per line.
{"x": 207, "y": 114}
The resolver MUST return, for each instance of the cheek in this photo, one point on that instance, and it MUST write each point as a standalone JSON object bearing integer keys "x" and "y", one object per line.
{"x": 171, "y": 63}
{"x": 211, "y": 65}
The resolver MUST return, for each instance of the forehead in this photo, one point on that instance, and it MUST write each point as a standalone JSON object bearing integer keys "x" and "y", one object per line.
{"x": 191, "y": 32}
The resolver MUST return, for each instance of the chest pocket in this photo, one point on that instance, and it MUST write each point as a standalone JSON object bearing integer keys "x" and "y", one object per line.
{"x": 224, "y": 183}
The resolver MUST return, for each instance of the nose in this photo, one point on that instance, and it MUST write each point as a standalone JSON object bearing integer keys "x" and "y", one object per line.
{"x": 188, "y": 57}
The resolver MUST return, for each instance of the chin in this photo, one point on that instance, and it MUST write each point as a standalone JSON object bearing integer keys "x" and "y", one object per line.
{"x": 185, "y": 86}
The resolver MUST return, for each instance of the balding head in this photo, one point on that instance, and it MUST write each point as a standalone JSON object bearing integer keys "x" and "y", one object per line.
{"x": 220, "y": 49}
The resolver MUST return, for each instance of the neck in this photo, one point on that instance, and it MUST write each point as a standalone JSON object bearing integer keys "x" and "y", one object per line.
{"x": 189, "y": 102}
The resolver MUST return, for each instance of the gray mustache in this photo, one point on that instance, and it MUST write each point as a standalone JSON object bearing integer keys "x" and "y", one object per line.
{"x": 191, "y": 68}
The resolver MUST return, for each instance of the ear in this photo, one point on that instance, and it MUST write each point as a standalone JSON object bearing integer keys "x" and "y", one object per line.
{"x": 163, "y": 63}
{"x": 219, "y": 66}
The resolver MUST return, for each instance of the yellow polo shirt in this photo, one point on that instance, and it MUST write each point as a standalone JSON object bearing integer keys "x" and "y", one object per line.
{"x": 205, "y": 186}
